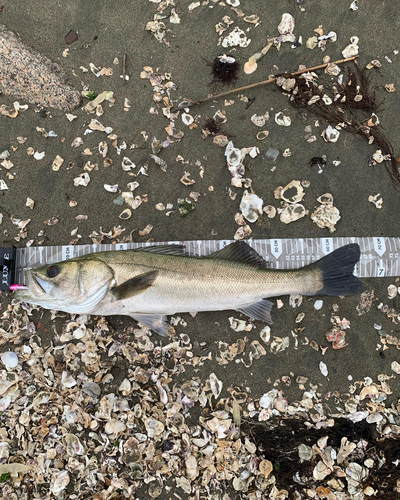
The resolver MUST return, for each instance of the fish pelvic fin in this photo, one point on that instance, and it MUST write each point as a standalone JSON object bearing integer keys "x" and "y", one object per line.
{"x": 337, "y": 271}
{"x": 156, "y": 322}
{"x": 134, "y": 286}
{"x": 259, "y": 310}
{"x": 239, "y": 251}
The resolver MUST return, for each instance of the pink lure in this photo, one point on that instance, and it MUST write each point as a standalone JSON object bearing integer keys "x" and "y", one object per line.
{"x": 18, "y": 287}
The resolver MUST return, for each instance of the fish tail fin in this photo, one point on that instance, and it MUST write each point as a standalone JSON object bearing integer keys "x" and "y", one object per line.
{"x": 337, "y": 271}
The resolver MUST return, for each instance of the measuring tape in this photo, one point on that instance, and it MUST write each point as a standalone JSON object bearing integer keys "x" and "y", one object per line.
{"x": 380, "y": 256}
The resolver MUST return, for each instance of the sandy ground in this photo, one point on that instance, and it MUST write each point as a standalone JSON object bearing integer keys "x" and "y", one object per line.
{"x": 111, "y": 29}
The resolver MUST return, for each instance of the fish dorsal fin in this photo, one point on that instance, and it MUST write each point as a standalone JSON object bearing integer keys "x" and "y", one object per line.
{"x": 179, "y": 250}
{"x": 134, "y": 286}
{"x": 239, "y": 251}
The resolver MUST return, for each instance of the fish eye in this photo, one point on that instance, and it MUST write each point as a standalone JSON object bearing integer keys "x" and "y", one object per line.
{"x": 52, "y": 271}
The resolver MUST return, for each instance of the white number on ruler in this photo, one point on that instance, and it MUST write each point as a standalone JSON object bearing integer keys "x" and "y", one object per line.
{"x": 379, "y": 245}
{"x": 276, "y": 248}
{"x": 327, "y": 245}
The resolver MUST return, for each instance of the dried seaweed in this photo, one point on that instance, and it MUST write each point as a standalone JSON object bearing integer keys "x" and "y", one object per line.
{"x": 347, "y": 110}
{"x": 225, "y": 71}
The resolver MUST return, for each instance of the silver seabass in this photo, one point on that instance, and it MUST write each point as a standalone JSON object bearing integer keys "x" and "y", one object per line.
{"x": 153, "y": 282}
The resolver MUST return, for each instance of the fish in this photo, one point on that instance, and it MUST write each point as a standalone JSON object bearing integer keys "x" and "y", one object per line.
{"x": 150, "y": 283}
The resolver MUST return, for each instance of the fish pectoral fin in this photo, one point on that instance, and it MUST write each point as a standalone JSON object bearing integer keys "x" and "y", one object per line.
{"x": 134, "y": 286}
{"x": 156, "y": 322}
{"x": 259, "y": 310}
{"x": 239, "y": 251}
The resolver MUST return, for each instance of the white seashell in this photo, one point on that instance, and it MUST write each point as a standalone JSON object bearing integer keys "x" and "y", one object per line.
{"x": 305, "y": 452}
{"x": 192, "y": 470}
{"x": 392, "y": 291}
{"x": 39, "y": 156}
{"x": 237, "y": 37}
{"x": 111, "y": 189}
{"x": 332, "y": 69}
{"x": 73, "y": 445}
{"x": 59, "y": 482}
{"x": 326, "y": 216}
{"x": 251, "y": 206}
{"x": 259, "y": 120}
{"x": 154, "y": 428}
{"x": 323, "y": 368}
{"x": 103, "y": 148}
{"x": 187, "y": 119}
{"x": 281, "y": 404}
{"x": 373, "y": 418}
{"x": 287, "y": 24}
{"x": 318, "y": 304}
{"x": 114, "y": 426}
{"x": 233, "y": 3}
{"x": 293, "y": 198}
{"x": 267, "y": 399}
{"x": 292, "y": 213}
{"x": 233, "y": 156}
{"x": 354, "y": 6}
{"x": 395, "y": 366}
{"x": 262, "y": 134}
{"x": 78, "y": 141}
{"x": 270, "y": 210}
{"x": 242, "y": 232}
{"x": 327, "y": 100}
{"x": 216, "y": 385}
{"x": 330, "y": 134}
{"x": 9, "y": 359}
{"x": 265, "y": 334}
{"x": 3, "y": 185}
{"x": 127, "y": 164}
{"x": 67, "y": 379}
{"x": 282, "y": 120}
{"x": 378, "y": 156}
{"x": 57, "y": 162}
{"x": 126, "y": 214}
{"x": 132, "y": 185}
{"x": 265, "y": 468}
{"x": 352, "y": 49}
{"x": 82, "y": 180}
{"x": 321, "y": 471}
{"x": 312, "y": 42}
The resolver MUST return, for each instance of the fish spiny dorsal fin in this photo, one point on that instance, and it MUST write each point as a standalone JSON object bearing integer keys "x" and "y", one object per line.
{"x": 178, "y": 250}
{"x": 134, "y": 286}
{"x": 239, "y": 251}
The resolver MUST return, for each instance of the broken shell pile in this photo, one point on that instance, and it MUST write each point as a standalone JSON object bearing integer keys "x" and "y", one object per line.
{"x": 113, "y": 417}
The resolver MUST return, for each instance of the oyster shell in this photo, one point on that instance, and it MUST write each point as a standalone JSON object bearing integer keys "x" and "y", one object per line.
{"x": 293, "y": 212}
{"x": 286, "y": 26}
{"x": 251, "y": 206}
{"x": 352, "y": 49}
{"x": 293, "y": 192}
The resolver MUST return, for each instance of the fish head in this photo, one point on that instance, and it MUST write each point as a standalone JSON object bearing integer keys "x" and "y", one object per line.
{"x": 75, "y": 286}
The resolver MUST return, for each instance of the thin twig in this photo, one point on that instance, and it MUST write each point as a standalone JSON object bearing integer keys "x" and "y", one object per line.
{"x": 124, "y": 69}
{"x": 191, "y": 102}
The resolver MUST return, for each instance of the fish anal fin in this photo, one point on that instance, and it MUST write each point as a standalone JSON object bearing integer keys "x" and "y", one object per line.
{"x": 259, "y": 310}
{"x": 134, "y": 286}
{"x": 239, "y": 251}
{"x": 156, "y": 322}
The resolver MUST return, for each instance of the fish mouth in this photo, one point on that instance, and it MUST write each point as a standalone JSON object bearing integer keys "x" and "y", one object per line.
{"x": 43, "y": 285}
